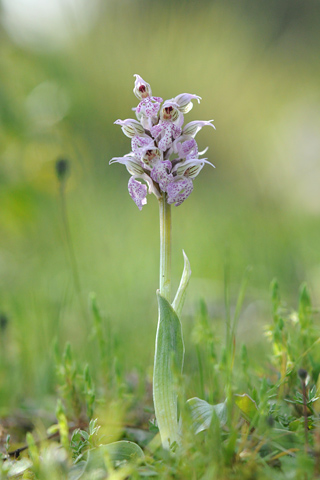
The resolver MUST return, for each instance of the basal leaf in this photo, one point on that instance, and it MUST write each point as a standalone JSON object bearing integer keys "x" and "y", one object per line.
{"x": 168, "y": 362}
{"x": 202, "y": 412}
{"x": 16, "y": 468}
{"x": 123, "y": 450}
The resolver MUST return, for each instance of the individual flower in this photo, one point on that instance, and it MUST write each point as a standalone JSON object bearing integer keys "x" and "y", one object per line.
{"x": 165, "y": 132}
{"x": 165, "y": 154}
{"x": 161, "y": 174}
{"x": 149, "y": 105}
{"x": 138, "y": 192}
{"x": 179, "y": 190}
{"x": 186, "y": 149}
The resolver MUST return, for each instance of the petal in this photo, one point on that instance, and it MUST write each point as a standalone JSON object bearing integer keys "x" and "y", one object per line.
{"x": 192, "y": 128}
{"x": 161, "y": 174}
{"x": 157, "y": 129}
{"x": 187, "y": 148}
{"x": 176, "y": 130}
{"x": 179, "y": 190}
{"x": 138, "y": 192}
{"x": 148, "y": 108}
{"x": 168, "y": 131}
{"x": 139, "y": 144}
{"x": 166, "y": 139}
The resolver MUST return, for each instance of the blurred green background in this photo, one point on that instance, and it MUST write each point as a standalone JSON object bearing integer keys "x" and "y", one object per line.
{"x": 66, "y": 73}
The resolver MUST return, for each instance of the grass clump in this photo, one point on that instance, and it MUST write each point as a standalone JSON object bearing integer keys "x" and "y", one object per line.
{"x": 258, "y": 418}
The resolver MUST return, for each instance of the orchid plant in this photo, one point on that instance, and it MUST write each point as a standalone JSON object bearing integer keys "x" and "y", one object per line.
{"x": 165, "y": 156}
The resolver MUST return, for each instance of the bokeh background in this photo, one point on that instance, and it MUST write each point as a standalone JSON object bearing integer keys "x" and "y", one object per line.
{"x": 66, "y": 74}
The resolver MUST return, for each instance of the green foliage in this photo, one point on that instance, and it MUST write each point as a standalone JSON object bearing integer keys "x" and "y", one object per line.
{"x": 202, "y": 413}
{"x": 82, "y": 440}
{"x": 76, "y": 386}
{"x": 168, "y": 363}
{"x": 268, "y": 428}
{"x": 102, "y": 333}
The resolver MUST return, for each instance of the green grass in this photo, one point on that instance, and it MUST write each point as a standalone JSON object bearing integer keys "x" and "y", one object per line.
{"x": 270, "y": 398}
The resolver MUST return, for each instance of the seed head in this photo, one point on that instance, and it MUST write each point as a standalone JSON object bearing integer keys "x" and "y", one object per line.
{"x": 62, "y": 168}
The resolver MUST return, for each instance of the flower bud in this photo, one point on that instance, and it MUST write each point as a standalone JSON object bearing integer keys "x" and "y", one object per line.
{"x": 3, "y": 321}
{"x": 62, "y": 168}
{"x": 303, "y": 374}
{"x": 141, "y": 89}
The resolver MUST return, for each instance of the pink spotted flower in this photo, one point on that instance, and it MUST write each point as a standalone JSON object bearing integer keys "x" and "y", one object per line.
{"x": 164, "y": 157}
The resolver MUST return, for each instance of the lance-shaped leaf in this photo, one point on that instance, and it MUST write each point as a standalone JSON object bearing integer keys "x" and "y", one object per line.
{"x": 168, "y": 363}
{"x": 179, "y": 299}
{"x": 202, "y": 412}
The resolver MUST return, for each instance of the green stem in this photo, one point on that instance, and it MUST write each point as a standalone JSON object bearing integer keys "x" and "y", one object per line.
{"x": 73, "y": 261}
{"x": 165, "y": 248}
{"x": 169, "y": 344}
{"x": 72, "y": 255}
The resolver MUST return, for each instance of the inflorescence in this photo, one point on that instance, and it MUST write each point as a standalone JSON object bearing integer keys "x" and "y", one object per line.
{"x": 164, "y": 152}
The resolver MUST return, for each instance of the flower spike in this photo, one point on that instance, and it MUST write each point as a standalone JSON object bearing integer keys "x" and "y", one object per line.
{"x": 164, "y": 154}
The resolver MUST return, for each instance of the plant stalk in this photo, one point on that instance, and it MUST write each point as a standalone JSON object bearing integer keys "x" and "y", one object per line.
{"x": 169, "y": 344}
{"x": 165, "y": 248}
